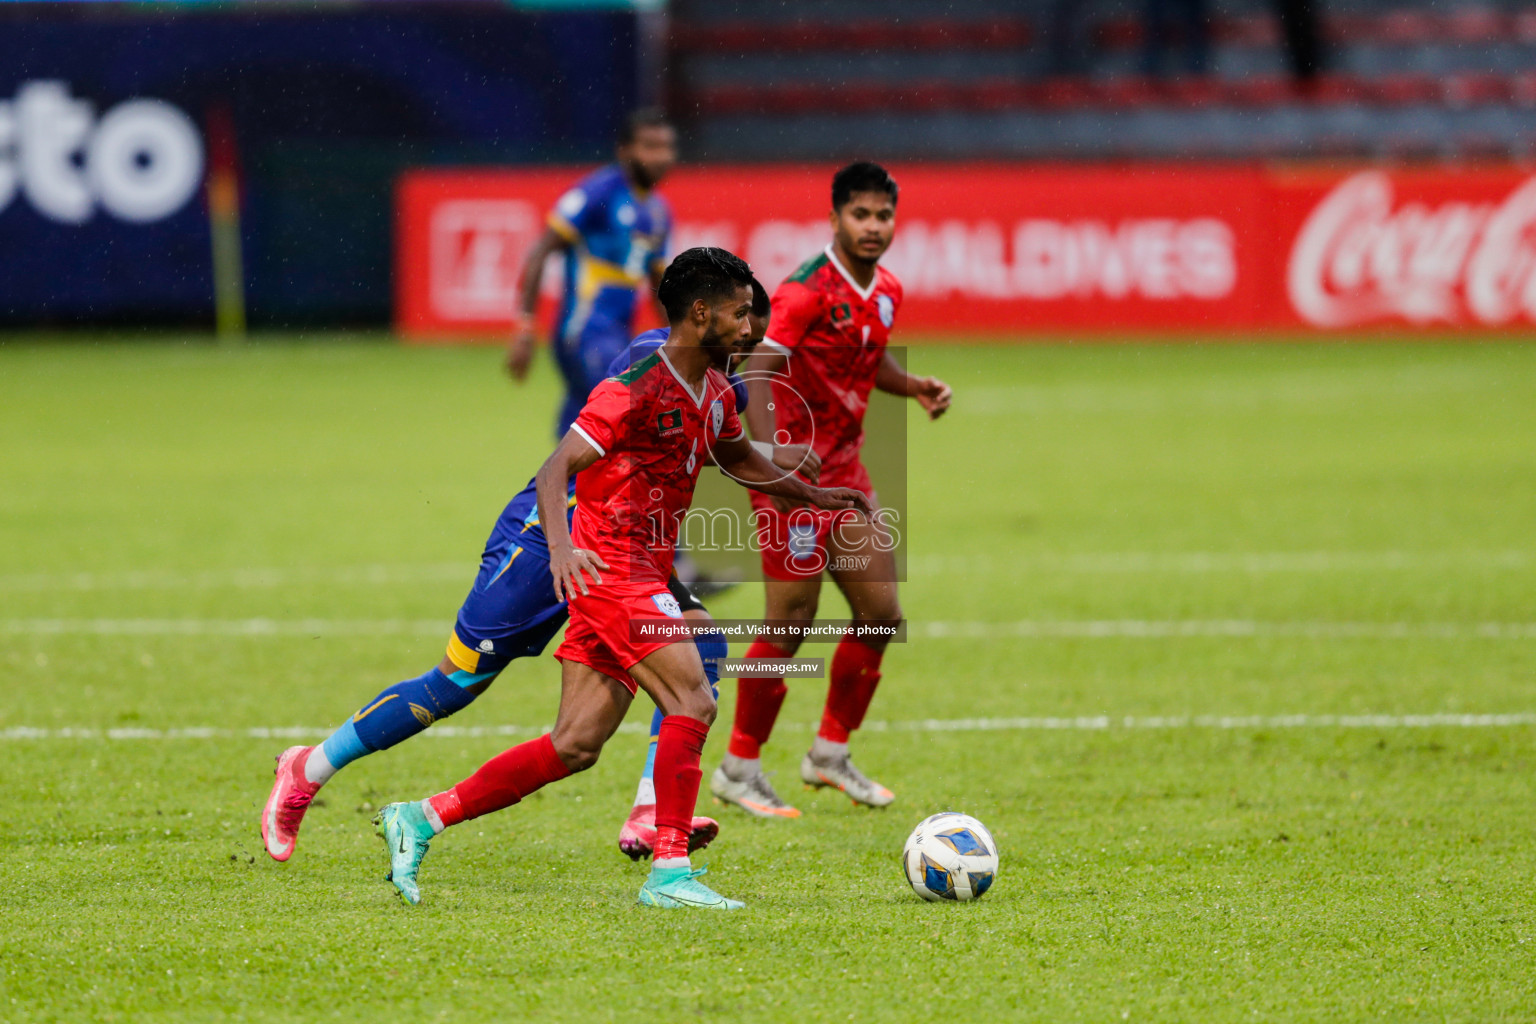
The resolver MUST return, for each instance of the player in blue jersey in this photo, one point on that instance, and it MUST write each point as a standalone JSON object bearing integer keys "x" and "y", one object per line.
{"x": 511, "y": 612}
{"x": 612, "y": 228}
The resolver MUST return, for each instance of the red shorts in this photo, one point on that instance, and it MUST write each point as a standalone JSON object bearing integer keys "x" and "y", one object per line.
{"x": 606, "y": 629}
{"x": 793, "y": 544}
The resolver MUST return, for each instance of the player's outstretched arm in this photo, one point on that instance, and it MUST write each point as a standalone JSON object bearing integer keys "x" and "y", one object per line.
{"x": 747, "y": 466}
{"x": 566, "y": 562}
{"x": 520, "y": 350}
{"x": 931, "y": 393}
{"x": 797, "y": 458}
{"x": 758, "y": 373}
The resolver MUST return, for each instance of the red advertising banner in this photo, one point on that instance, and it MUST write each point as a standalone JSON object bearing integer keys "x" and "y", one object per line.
{"x": 1000, "y": 249}
{"x": 1422, "y": 247}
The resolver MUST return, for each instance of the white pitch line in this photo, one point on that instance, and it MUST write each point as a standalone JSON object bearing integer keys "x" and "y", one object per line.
{"x": 1134, "y": 629}
{"x": 227, "y": 627}
{"x": 1158, "y": 629}
{"x": 1082, "y": 723}
{"x": 1078, "y": 563}
{"x": 1197, "y": 562}
{"x": 241, "y": 579}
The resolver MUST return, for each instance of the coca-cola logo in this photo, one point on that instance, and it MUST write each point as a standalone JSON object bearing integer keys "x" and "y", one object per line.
{"x": 1358, "y": 259}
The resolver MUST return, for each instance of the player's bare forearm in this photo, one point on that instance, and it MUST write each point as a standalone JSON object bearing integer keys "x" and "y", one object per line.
{"x": 520, "y": 348}
{"x": 532, "y": 275}
{"x": 931, "y": 393}
{"x": 566, "y": 562}
{"x": 760, "y": 367}
{"x": 745, "y": 464}
{"x": 550, "y": 488}
{"x": 759, "y": 410}
{"x": 891, "y": 378}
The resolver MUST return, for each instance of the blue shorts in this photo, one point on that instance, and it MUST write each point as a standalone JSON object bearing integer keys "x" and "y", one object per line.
{"x": 511, "y": 612}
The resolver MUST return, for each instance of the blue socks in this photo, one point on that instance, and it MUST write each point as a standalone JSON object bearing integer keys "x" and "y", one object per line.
{"x": 398, "y": 713}
{"x": 407, "y": 708}
{"x": 712, "y": 650}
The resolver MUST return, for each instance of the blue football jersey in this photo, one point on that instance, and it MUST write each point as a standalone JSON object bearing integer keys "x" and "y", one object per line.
{"x": 650, "y": 341}
{"x": 615, "y": 236}
{"x": 519, "y": 522}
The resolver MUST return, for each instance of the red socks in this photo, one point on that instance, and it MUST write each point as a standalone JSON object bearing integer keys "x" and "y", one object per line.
{"x": 447, "y": 806}
{"x": 513, "y": 774}
{"x": 504, "y": 780}
{"x": 679, "y": 746}
{"x": 855, "y": 674}
{"x": 758, "y": 700}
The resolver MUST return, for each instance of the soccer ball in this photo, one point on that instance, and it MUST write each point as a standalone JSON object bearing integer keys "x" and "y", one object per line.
{"x": 950, "y": 856}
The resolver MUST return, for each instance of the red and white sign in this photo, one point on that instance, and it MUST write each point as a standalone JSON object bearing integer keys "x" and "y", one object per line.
{"x": 999, "y": 249}
{"x": 460, "y": 242}
{"x": 1416, "y": 248}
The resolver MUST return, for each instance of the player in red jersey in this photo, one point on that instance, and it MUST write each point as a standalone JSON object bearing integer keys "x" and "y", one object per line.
{"x": 638, "y": 444}
{"x": 810, "y": 381}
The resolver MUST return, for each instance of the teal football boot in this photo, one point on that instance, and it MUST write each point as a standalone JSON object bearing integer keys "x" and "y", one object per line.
{"x": 680, "y": 887}
{"x": 406, "y": 831}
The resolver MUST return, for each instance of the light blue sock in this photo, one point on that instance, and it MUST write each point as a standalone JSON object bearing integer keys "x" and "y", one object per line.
{"x": 645, "y": 793}
{"x": 344, "y": 746}
{"x": 396, "y": 714}
{"x": 650, "y": 748}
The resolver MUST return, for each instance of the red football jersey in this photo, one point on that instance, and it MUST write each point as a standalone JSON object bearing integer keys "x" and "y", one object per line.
{"x": 835, "y": 334}
{"x": 653, "y": 434}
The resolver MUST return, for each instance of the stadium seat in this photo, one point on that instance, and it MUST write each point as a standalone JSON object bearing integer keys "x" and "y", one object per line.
{"x": 1403, "y": 78}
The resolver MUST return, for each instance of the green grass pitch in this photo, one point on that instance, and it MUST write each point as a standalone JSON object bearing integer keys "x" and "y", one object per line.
{"x": 1179, "y": 581}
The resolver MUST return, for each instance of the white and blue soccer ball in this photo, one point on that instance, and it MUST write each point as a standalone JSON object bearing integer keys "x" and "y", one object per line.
{"x": 950, "y": 856}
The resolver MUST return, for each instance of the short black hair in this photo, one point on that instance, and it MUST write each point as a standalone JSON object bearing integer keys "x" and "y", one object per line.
{"x": 645, "y": 117}
{"x": 861, "y": 177}
{"x": 702, "y": 273}
{"x": 761, "y": 306}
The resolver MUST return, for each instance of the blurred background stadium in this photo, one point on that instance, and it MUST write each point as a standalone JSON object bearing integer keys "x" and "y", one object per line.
{"x": 1231, "y": 644}
{"x": 1119, "y": 165}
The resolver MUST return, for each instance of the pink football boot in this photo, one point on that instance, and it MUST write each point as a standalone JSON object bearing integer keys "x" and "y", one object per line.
{"x": 291, "y": 794}
{"x": 638, "y": 836}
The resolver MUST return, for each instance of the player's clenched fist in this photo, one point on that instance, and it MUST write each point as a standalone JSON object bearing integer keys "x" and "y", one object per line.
{"x": 567, "y": 565}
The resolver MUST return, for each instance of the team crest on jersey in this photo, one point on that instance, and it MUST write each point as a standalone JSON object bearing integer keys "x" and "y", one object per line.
{"x": 842, "y": 315}
{"x": 887, "y": 307}
{"x": 669, "y": 422}
{"x": 717, "y": 415}
{"x": 667, "y": 605}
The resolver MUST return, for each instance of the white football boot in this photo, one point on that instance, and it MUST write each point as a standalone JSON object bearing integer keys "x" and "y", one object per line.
{"x": 754, "y": 794}
{"x": 839, "y": 773}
